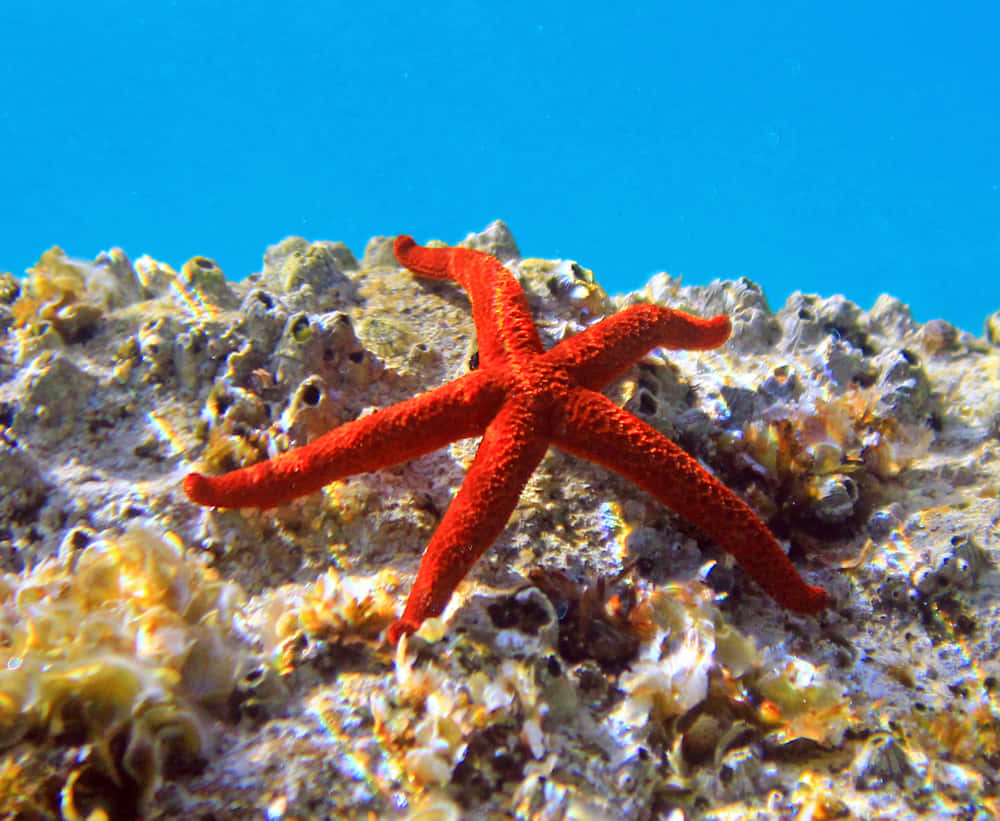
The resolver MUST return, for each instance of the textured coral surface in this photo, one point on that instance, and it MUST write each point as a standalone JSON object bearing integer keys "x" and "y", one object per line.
{"x": 603, "y": 660}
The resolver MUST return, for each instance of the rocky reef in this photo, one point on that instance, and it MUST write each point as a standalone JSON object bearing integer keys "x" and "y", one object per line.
{"x": 602, "y": 661}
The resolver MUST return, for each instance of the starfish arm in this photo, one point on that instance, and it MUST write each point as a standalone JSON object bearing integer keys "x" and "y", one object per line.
{"x": 592, "y": 426}
{"x": 499, "y": 309}
{"x": 604, "y": 351}
{"x": 457, "y": 410}
{"x": 506, "y": 458}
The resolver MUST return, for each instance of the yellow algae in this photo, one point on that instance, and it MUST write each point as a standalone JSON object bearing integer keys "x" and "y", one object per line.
{"x": 116, "y": 647}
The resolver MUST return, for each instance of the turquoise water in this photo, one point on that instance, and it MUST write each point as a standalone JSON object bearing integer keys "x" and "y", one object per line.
{"x": 851, "y": 150}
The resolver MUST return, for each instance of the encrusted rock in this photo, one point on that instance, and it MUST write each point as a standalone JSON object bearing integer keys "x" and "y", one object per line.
{"x": 10, "y": 288}
{"x": 55, "y": 391}
{"x": 326, "y": 345}
{"x": 890, "y": 316}
{"x": 22, "y": 489}
{"x": 806, "y": 319}
{"x": 34, "y": 339}
{"x": 157, "y": 278}
{"x": 904, "y": 389}
{"x": 310, "y": 276}
{"x": 264, "y": 317}
{"x": 117, "y": 279}
{"x": 755, "y": 327}
{"x": 379, "y": 253}
{"x": 957, "y": 564}
{"x": 155, "y": 339}
{"x": 695, "y": 694}
{"x": 311, "y": 412}
{"x": 196, "y": 357}
{"x": 844, "y": 363}
{"x": 497, "y": 240}
{"x": 939, "y": 336}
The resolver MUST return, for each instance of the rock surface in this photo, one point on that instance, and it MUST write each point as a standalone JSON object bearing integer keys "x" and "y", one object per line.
{"x": 603, "y": 660}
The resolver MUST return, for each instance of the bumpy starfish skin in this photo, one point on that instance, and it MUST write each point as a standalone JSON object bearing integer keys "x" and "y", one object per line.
{"x": 522, "y": 399}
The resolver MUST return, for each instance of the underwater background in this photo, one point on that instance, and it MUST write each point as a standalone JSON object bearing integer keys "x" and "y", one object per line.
{"x": 843, "y": 150}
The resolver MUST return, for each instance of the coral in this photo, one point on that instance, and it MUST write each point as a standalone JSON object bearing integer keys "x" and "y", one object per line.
{"x": 114, "y": 649}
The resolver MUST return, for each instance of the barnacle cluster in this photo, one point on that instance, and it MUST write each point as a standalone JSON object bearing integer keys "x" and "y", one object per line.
{"x": 297, "y": 620}
{"x": 116, "y": 649}
{"x": 816, "y": 457}
{"x": 449, "y": 717}
{"x": 701, "y": 686}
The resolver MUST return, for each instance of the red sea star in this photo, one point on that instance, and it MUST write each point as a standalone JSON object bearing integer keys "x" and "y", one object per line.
{"x": 522, "y": 399}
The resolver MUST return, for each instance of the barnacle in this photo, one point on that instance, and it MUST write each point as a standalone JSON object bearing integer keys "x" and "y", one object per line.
{"x": 116, "y": 647}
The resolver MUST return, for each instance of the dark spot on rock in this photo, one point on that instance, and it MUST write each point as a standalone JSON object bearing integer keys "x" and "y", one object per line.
{"x": 148, "y": 449}
{"x": 965, "y": 625}
{"x": 356, "y": 356}
{"x": 474, "y": 361}
{"x": 512, "y": 613}
{"x": 865, "y": 378}
{"x": 647, "y": 405}
{"x": 79, "y": 539}
{"x": 222, "y": 403}
{"x": 265, "y": 299}
{"x": 649, "y": 384}
{"x": 28, "y": 512}
{"x": 311, "y": 395}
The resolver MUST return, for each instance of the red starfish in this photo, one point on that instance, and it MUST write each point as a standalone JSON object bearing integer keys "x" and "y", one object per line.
{"x": 522, "y": 399}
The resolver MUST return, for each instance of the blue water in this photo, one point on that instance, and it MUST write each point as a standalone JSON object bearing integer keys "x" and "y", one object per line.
{"x": 850, "y": 149}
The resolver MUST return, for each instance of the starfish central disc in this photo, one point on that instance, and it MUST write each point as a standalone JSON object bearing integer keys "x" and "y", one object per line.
{"x": 521, "y": 400}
